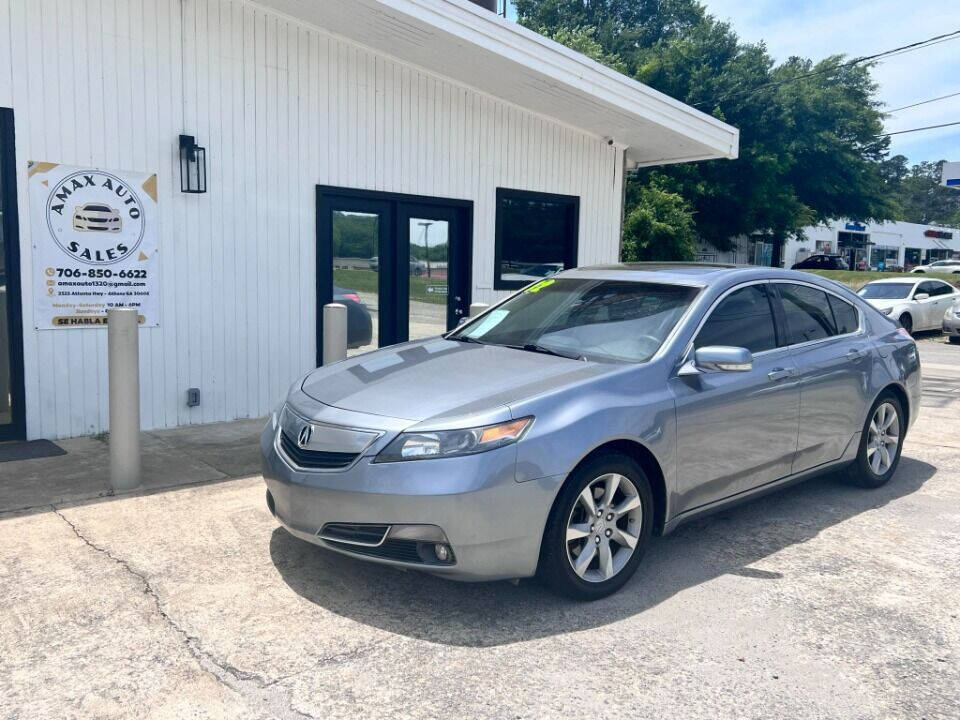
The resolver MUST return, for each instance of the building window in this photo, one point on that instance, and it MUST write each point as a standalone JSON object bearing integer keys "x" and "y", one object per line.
{"x": 883, "y": 257}
{"x": 536, "y": 236}
{"x": 853, "y": 239}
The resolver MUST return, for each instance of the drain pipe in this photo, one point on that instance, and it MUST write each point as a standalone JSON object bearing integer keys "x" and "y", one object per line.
{"x": 123, "y": 358}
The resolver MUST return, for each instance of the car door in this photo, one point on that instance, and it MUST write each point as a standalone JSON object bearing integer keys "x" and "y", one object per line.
{"x": 943, "y": 296}
{"x": 834, "y": 358}
{"x": 926, "y": 309}
{"x": 736, "y": 430}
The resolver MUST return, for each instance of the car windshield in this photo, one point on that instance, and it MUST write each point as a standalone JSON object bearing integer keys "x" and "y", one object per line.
{"x": 606, "y": 320}
{"x": 885, "y": 291}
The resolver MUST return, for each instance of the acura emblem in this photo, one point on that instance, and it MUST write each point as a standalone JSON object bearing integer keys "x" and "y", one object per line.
{"x": 304, "y": 437}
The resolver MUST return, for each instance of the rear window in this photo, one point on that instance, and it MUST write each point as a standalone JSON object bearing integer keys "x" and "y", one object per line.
{"x": 844, "y": 315}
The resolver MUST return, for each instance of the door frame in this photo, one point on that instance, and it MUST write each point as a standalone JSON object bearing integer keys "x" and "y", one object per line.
{"x": 393, "y": 256}
{"x": 17, "y": 429}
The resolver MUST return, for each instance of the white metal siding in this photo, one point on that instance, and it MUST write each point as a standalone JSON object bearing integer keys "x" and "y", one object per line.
{"x": 280, "y": 107}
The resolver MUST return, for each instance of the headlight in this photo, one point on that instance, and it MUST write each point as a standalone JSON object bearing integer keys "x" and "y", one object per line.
{"x": 274, "y": 418}
{"x": 451, "y": 443}
{"x": 887, "y": 311}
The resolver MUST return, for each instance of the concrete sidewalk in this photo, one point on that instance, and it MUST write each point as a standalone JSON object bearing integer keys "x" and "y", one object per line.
{"x": 171, "y": 458}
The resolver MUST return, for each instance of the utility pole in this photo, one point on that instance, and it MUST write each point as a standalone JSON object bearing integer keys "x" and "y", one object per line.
{"x": 426, "y": 241}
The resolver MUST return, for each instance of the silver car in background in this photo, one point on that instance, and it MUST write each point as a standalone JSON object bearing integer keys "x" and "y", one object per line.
{"x": 559, "y": 431}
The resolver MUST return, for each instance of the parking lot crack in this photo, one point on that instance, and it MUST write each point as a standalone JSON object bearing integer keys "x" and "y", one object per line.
{"x": 192, "y": 642}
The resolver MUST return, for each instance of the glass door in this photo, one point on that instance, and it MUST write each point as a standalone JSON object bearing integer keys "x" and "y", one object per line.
{"x": 12, "y": 419}
{"x": 400, "y": 263}
{"x": 433, "y": 244}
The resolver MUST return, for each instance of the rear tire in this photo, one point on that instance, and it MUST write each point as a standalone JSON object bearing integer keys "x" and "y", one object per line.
{"x": 906, "y": 322}
{"x": 881, "y": 443}
{"x": 575, "y": 531}
{"x": 953, "y": 339}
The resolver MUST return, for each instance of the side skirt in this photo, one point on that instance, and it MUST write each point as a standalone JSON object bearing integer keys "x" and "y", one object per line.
{"x": 849, "y": 455}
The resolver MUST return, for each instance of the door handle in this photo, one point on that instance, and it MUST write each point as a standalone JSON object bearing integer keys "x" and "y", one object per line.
{"x": 855, "y": 353}
{"x": 779, "y": 373}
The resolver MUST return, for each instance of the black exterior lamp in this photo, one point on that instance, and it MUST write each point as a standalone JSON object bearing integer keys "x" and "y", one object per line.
{"x": 193, "y": 166}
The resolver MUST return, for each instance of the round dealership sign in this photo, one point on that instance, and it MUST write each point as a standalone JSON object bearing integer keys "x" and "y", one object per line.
{"x": 95, "y": 217}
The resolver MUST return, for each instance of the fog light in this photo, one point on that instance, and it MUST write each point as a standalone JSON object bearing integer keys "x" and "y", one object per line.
{"x": 442, "y": 552}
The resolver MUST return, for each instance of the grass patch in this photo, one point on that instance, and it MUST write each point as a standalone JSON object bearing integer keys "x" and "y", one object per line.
{"x": 366, "y": 281}
{"x": 856, "y": 280}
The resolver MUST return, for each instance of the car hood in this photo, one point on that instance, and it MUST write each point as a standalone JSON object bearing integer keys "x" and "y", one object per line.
{"x": 439, "y": 378}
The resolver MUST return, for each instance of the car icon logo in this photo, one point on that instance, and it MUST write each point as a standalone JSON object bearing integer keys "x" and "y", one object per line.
{"x": 94, "y": 217}
{"x": 304, "y": 438}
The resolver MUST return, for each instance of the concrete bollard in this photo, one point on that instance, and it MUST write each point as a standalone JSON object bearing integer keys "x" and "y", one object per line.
{"x": 334, "y": 333}
{"x": 477, "y": 308}
{"x": 123, "y": 368}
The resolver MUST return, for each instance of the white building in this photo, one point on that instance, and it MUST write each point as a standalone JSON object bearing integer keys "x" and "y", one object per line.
{"x": 410, "y": 155}
{"x": 877, "y": 246}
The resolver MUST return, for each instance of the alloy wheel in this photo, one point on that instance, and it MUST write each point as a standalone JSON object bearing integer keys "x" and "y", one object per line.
{"x": 603, "y": 528}
{"x": 884, "y": 438}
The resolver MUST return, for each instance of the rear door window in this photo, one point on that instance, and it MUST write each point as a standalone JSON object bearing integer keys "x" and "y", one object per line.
{"x": 807, "y": 312}
{"x": 742, "y": 319}
{"x": 844, "y": 315}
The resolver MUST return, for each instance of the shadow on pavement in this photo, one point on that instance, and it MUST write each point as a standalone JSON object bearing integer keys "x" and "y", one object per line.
{"x": 481, "y": 615}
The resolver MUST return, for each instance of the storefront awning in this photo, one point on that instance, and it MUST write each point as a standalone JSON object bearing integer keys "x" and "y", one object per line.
{"x": 458, "y": 40}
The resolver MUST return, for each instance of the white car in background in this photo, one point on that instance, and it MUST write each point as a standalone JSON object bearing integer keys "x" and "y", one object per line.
{"x": 916, "y": 304}
{"x": 940, "y": 266}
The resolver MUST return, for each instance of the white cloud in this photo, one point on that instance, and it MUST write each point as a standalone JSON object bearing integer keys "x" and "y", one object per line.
{"x": 820, "y": 28}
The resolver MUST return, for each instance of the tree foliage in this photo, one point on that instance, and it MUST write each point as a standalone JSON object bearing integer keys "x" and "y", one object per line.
{"x": 919, "y": 194}
{"x": 659, "y": 227}
{"x": 809, "y": 145}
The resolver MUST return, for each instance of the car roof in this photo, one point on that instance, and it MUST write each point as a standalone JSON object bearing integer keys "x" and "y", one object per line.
{"x": 687, "y": 273}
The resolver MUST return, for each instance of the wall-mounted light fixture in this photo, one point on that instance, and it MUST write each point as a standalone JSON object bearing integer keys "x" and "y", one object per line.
{"x": 193, "y": 166}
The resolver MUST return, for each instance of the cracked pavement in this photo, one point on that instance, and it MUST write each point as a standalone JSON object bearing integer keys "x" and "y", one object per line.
{"x": 819, "y": 601}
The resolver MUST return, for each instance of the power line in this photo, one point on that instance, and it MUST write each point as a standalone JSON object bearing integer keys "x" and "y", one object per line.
{"x": 924, "y": 102}
{"x": 855, "y": 61}
{"x": 912, "y": 130}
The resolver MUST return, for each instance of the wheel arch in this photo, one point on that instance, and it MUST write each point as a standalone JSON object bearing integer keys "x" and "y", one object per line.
{"x": 900, "y": 394}
{"x": 648, "y": 463}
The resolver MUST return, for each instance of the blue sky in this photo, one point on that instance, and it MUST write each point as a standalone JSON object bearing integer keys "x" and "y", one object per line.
{"x": 818, "y": 28}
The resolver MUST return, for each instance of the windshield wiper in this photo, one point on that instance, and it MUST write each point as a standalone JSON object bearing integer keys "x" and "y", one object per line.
{"x": 535, "y": 347}
{"x": 464, "y": 338}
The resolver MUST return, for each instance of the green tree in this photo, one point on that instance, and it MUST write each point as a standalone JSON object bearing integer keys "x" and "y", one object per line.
{"x": 809, "y": 145}
{"x": 659, "y": 227}
{"x": 920, "y": 195}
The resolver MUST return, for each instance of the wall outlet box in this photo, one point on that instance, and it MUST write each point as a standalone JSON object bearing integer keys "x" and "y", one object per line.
{"x": 193, "y": 397}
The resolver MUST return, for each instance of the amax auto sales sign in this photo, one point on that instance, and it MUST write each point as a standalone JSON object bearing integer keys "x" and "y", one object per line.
{"x": 94, "y": 244}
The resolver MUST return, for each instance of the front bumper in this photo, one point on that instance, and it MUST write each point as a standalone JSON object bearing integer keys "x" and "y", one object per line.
{"x": 492, "y": 523}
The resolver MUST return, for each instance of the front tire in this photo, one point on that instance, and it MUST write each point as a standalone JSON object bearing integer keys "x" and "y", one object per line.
{"x": 881, "y": 443}
{"x": 906, "y": 322}
{"x": 953, "y": 339}
{"x": 598, "y": 529}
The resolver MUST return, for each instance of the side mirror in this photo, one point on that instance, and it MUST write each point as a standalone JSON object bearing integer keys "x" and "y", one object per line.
{"x": 718, "y": 358}
{"x": 922, "y": 296}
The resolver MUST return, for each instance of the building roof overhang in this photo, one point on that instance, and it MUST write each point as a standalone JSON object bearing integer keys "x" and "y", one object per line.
{"x": 465, "y": 43}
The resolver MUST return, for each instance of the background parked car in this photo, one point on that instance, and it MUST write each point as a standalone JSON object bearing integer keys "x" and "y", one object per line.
{"x": 940, "y": 266}
{"x": 417, "y": 267}
{"x": 916, "y": 304}
{"x": 359, "y": 322}
{"x": 822, "y": 262}
{"x": 951, "y": 323}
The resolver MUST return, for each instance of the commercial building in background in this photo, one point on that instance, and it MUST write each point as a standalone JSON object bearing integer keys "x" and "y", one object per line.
{"x": 227, "y": 167}
{"x": 880, "y": 246}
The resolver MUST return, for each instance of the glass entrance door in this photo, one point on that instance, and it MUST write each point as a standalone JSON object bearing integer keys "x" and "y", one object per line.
{"x": 400, "y": 263}
{"x": 12, "y": 421}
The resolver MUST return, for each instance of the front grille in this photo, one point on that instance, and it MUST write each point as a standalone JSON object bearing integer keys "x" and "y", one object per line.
{"x": 356, "y": 534}
{"x": 314, "y": 459}
{"x": 399, "y": 550}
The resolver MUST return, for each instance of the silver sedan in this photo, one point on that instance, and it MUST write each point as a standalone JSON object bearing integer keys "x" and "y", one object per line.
{"x": 559, "y": 431}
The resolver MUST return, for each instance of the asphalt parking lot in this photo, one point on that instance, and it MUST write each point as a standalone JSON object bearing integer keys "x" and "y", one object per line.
{"x": 820, "y": 601}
